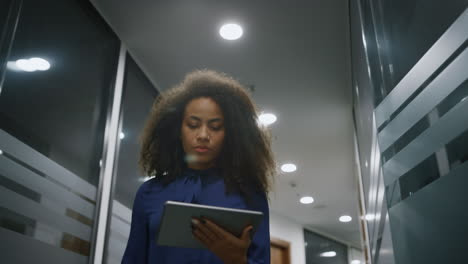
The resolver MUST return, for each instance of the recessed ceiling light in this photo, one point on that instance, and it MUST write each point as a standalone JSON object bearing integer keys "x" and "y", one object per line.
{"x": 355, "y": 261}
{"x": 289, "y": 167}
{"x": 267, "y": 119}
{"x": 328, "y": 254}
{"x": 122, "y": 135}
{"x": 1, "y": 152}
{"x": 33, "y": 64}
{"x": 40, "y": 64}
{"x": 307, "y": 200}
{"x": 25, "y": 65}
{"x": 345, "y": 218}
{"x": 231, "y": 31}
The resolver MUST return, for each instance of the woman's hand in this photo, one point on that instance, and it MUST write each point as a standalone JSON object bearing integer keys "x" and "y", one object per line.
{"x": 229, "y": 248}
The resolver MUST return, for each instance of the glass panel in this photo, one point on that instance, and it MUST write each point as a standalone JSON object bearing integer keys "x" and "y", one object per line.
{"x": 459, "y": 94}
{"x": 457, "y": 151}
{"x": 7, "y": 13}
{"x": 4, "y": 11}
{"x": 450, "y": 156}
{"x": 407, "y": 29}
{"x": 320, "y": 249}
{"x": 138, "y": 98}
{"x": 53, "y": 113}
{"x": 418, "y": 177}
{"x": 431, "y": 226}
{"x": 405, "y": 139}
{"x": 385, "y": 254}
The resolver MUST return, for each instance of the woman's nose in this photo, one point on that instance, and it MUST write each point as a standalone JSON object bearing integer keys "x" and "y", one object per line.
{"x": 203, "y": 134}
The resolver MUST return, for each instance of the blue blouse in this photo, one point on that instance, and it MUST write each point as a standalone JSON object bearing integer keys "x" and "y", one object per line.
{"x": 194, "y": 186}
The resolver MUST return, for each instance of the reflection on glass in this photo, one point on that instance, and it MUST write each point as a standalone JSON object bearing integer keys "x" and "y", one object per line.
{"x": 53, "y": 108}
{"x": 403, "y": 32}
{"x": 138, "y": 98}
{"x": 320, "y": 249}
{"x": 419, "y": 176}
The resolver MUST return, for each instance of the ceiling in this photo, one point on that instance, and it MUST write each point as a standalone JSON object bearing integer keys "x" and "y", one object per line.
{"x": 296, "y": 54}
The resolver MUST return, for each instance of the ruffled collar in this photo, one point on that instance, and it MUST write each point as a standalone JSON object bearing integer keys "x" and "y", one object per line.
{"x": 190, "y": 185}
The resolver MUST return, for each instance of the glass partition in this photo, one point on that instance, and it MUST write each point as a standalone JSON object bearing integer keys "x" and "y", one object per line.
{"x": 138, "y": 96}
{"x": 53, "y": 110}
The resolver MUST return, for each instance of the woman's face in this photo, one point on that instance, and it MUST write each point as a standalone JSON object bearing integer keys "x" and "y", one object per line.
{"x": 202, "y": 132}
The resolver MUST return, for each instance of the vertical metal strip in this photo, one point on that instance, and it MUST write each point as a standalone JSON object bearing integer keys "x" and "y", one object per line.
{"x": 362, "y": 203}
{"x": 109, "y": 161}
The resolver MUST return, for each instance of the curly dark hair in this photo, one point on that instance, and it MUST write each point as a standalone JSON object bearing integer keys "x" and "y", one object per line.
{"x": 246, "y": 158}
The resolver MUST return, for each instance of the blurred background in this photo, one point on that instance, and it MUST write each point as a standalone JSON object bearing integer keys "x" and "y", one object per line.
{"x": 365, "y": 100}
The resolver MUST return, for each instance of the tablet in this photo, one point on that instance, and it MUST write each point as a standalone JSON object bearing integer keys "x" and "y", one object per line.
{"x": 175, "y": 229}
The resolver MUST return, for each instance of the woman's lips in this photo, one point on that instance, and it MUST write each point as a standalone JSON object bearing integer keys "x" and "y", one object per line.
{"x": 201, "y": 149}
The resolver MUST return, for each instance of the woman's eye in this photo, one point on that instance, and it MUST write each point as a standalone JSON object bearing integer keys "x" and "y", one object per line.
{"x": 217, "y": 128}
{"x": 192, "y": 126}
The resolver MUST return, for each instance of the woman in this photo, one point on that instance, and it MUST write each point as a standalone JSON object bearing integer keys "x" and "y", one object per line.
{"x": 203, "y": 144}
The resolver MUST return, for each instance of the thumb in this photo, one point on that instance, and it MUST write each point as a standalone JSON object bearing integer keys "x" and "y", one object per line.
{"x": 246, "y": 233}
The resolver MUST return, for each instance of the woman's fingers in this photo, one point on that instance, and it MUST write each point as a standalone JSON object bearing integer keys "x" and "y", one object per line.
{"x": 205, "y": 230}
{"x": 246, "y": 233}
{"x": 201, "y": 237}
{"x": 218, "y": 231}
{"x": 222, "y": 243}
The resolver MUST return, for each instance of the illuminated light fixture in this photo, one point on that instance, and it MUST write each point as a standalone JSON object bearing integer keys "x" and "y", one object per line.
{"x": 25, "y": 65}
{"x": 231, "y": 31}
{"x": 122, "y": 135}
{"x": 328, "y": 254}
{"x": 33, "y": 64}
{"x": 307, "y": 200}
{"x": 355, "y": 261}
{"x": 40, "y": 64}
{"x": 345, "y": 218}
{"x": 370, "y": 217}
{"x": 267, "y": 119}
{"x": 289, "y": 167}
{"x": 1, "y": 152}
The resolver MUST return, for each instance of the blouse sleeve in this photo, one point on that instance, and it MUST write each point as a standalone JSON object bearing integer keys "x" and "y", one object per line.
{"x": 259, "y": 250}
{"x": 136, "y": 251}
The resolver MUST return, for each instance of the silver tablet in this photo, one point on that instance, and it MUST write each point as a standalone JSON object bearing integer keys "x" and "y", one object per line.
{"x": 175, "y": 228}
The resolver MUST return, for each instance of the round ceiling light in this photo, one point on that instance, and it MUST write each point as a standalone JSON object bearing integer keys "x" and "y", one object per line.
{"x": 307, "y": 200}
{"x": 289, "y": 167}
{"x": 231, "y": 31}
{"x": 267, "y": 119}
{"x": 345, "y": 218}
{"x": 40, "y": 64}
{"x": 25, "y": 65}
{"x": 33, "y": 64}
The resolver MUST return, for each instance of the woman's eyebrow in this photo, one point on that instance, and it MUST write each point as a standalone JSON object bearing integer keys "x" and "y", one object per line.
{"x": 215, "y": 120}
{"x": 195, "y": 118}
{"x": 218, "y": 119}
